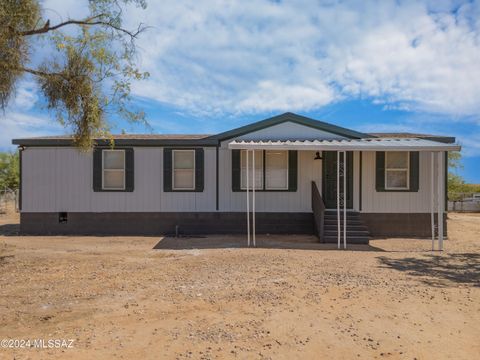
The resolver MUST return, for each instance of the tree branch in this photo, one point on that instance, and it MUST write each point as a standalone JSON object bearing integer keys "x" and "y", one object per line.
{"x": 86, "y": 22}
{"x": 45, "y": 74}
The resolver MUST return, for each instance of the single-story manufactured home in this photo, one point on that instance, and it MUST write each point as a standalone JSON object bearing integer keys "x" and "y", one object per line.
{"x": 289, "y": 173}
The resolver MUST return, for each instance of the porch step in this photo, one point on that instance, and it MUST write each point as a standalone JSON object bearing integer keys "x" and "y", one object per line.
{"x": 350, "y": 232}
{"x": 357, "y": 231}
{"x": 333, "y": 222}
{"x": 334, "y": 226}
{"x": 350, "y": 240}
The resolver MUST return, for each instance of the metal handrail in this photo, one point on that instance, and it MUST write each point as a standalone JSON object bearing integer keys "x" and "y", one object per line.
{"x": 318, "y": 209}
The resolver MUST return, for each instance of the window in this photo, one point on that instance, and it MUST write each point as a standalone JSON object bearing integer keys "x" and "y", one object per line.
{"x": 258, "y": 169}
{"x": 183, "y": 170}
{"x": 113, "y": 169}
{"x": 276, "y": 170}
{"x": 397, "y": 169}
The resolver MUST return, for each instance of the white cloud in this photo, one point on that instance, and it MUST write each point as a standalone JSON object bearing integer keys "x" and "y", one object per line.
{"x": 220, "y": 57}
{"x": 25, "y": 95}
{"x": 16, "y": 124}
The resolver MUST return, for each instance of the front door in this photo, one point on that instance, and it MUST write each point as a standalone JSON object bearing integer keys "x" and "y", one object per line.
{"x": 329, "y": 179}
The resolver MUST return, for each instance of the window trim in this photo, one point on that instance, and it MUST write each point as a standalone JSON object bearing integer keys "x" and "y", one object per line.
{"x": 124, "y": 170}
{"x": 407, "y": 169}
{"x": 265, "y": 170}
{"x": 174, "y": 188}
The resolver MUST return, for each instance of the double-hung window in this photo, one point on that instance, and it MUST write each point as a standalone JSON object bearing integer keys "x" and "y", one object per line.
{"x": 271, "y": 169}
{"x": 113, "y": 169}
{"x": 183, "y": 170}
{"x": 397, "y": 170}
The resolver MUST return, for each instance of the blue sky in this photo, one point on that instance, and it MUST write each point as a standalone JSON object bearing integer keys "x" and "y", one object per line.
{"x": 378, "y": 66}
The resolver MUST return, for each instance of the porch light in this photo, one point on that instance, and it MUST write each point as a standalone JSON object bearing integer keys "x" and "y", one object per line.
{"x": 317, "y": 156}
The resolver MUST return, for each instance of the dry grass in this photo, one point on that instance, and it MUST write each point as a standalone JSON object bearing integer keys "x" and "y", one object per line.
{"x": 120, "y": 297}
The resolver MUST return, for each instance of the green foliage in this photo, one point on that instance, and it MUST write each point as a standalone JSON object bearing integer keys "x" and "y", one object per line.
{"x": 15, "y": 16}
{"x": 87, "y": 77}
{"x": 454, "y": 160}
{"x": 456, "y": 184}
{"x": 9, "y": 171}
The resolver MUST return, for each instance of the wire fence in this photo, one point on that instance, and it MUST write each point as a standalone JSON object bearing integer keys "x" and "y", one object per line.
{"x": 9, "y": 201}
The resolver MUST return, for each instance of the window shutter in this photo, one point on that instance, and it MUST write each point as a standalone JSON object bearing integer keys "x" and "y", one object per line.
{"x": 414, "y": 170}
{"x": 236, "y": 170}
{"x": 167, "y": 170}
{"x": 199, "y": 170}
{"x": 129, "y": 170}
{"x": 380, "y": 171}
{"x": 292, "y": 170}
{"x": 97, "y": 169}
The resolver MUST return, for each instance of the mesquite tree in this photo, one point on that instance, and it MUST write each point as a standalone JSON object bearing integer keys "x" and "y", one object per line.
{"x": 88, "y": 72}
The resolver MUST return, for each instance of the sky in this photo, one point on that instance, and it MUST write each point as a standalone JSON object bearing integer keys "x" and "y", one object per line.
{"x": 373, "y": 66}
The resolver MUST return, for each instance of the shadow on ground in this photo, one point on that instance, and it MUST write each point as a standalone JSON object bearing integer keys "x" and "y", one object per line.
{"x": 266, "y": 242}
{"x": 9, "y": 229}
{"x": 441, "y": 271}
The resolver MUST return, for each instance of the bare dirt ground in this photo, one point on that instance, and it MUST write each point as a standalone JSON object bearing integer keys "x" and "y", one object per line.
{"x": 118, "y": 297}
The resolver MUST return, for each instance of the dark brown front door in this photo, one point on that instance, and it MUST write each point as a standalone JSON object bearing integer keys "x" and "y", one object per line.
{"x": 329, "y": 179}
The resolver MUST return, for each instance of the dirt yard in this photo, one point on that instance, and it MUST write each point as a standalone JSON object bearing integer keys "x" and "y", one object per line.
{"x": 119, "y": 297}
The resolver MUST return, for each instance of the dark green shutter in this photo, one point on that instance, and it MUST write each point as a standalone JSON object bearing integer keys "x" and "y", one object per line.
{"x": 292, "y": 170}
{"x": 97, "y": 169}
{"x": 167, "y": 170}
{"x": 199, "y": 170}
{"x": 236, "y": 170}
{"x": 380, "y": 171}
{"x": 129, "y": 170}
{"x": 414, "y": 171}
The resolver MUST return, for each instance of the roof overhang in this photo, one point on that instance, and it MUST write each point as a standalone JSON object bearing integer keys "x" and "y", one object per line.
{"x": 118, "y": 142}
{"x": 376, "y": 144}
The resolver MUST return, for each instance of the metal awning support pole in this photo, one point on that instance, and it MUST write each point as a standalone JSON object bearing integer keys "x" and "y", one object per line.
{"x": 432, "y": 197}
{"x": 253, "y": 197}
{"x": 344, "y": 199}
{"x": 248, "y": 203}
{"x": 338, "y": 199}
{"x": 440, "y": 202}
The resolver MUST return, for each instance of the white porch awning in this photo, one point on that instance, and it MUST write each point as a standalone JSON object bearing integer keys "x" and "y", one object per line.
{"x": 370, "y": 144}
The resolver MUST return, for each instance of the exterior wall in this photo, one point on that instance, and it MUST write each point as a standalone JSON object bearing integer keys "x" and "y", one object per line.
{"x": 60, "y": 179}
{"x": 400, "y": 202}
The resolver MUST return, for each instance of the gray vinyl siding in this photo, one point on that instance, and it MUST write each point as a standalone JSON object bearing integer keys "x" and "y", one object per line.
{"x": 400, "y": 202}
{"x": 60, "y": 179}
